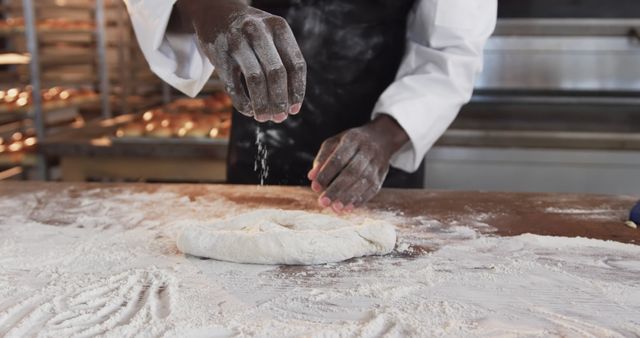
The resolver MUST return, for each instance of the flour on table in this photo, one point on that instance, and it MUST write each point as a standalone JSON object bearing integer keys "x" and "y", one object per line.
{"x": 104, "y": 263}
{"x": 273, "y": 236}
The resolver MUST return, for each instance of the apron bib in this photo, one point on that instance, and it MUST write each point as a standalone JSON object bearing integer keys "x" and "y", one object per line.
{"x": 353, "y": 50}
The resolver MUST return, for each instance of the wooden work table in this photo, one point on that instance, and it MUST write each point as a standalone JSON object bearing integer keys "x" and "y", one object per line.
{"x": 510, "y": 213}
{"x": 84, "y": 259}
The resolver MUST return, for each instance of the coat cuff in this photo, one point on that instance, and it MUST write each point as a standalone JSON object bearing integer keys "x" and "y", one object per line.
{"x": 175, "y": 58}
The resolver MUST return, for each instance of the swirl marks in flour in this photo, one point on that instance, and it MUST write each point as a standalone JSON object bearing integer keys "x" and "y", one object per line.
{"x": 127, "y": 303}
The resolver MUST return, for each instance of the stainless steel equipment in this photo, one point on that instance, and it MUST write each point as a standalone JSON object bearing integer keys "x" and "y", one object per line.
{"x": 558, "y": 102}
{"x": 601, "y": 55}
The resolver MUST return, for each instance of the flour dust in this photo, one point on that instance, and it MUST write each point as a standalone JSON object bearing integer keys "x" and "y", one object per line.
{"x": 260, "y": 164}
{"x": 103, "y": 262}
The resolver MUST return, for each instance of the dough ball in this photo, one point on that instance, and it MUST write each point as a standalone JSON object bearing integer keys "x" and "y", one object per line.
{"x": 272, "y": 236}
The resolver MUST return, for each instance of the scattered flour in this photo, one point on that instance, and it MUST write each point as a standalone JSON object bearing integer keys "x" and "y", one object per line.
{"x": 574, "y": 211}
{"x": 260, "y": 164}
{"x": 104, "y": 262}
{"x": 596, "y": 213}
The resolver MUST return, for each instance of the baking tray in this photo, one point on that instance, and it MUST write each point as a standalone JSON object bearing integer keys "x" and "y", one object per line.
{"x": 170, "y": 140}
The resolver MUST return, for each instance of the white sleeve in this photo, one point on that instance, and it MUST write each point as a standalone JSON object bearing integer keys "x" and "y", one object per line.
{"x": 445, "y": 40}
{"x": 175, "y": 58}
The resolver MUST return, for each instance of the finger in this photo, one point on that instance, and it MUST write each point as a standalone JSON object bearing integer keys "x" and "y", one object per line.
{"x": 338, "y": 160}
{"x": 232, "y": 77}
{"x": 369, "y": 194}
{"x": 367, "y": 187}
{"x": 230, "y": 72}
{"x": 325, "y": 151}
{"x": 357, "y": 192}
{"x": 340, "y": 189}
{"x": 349, "y": 208}
{"x": 374, "y": 188}
{"x": 337, "y": 207}
{"x": 274, "y": 70}
{"x": 254, "y": 79}
{"x": 293, "y": 61}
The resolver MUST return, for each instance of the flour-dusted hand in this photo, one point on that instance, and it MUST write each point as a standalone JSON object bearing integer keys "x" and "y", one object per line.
{"x": 350, "y": 167}
{"x": 255, "y": 53}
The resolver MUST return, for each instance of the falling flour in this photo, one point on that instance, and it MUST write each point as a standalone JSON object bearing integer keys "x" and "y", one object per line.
{"x": 104, "y": 262}
{"x": 260, "y": 165}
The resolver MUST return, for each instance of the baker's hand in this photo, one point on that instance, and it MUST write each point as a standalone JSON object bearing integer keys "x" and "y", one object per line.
{"x": 255, "y": 54}
{"x": 350, "y": 167}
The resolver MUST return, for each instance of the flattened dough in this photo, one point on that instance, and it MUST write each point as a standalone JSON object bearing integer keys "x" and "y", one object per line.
{"x": 272, "y": 236}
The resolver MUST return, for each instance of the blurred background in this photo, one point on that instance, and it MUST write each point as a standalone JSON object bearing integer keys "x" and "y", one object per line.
{"x": 557, "y": 108}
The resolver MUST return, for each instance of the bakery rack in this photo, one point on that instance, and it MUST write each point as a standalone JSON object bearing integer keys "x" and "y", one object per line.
{"x": 77, "y": 44}
{"x": 34, "y": 38}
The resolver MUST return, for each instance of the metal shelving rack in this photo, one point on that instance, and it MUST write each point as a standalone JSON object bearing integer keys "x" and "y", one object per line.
{"x": 35, "y": 74}
{"x": 124, "y": 81}
{"x": 34, "y": 70}
{"x": 33, "y": 34}
{"x": 103, "y": 68}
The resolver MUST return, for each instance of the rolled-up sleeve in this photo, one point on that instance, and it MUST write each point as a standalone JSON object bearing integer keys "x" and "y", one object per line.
{"x": 175, "y": 58}
{"x": 435, "y": 79}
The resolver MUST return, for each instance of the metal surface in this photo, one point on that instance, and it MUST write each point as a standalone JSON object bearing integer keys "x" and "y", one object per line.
{"x": 533, "y": 170}
{"x": 565, "y": 27}
{"x": 101, "y": 41}
{"x": 184, "y": 141}
{"x": 567, "y": 55}
{"x": 34, "y": 69}
{"x": 568, "y": 9}
{"x": 529, "y": 98}
{"x": 542, "y": 139}
{"x": 556, "y": 105}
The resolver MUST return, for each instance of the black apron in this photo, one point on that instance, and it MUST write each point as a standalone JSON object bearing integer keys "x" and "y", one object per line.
{"x": 353, "y": 49}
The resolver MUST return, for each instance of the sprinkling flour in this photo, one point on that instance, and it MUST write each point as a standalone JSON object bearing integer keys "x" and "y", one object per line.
{"x": 104, "y": 262}
{"x": 260, "y": 164}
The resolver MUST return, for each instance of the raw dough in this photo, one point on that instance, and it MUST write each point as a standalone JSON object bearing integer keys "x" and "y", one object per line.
{"x": 272, "y": 236}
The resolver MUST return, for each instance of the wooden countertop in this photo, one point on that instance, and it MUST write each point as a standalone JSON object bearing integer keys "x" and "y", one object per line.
{"x": 507, "y": 214}
{"x": 91, "y": 259}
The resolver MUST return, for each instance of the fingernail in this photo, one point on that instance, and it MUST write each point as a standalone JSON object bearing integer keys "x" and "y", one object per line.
{"x": 315, "y": 186}
{"x": 337, "y": 206}
{"x": 278, "y": 118}
{"x": 262, "y": 118}
{"x": 325, "y": 202}
{"x": 313, "y": 173}
{"x": 294, "y": 109}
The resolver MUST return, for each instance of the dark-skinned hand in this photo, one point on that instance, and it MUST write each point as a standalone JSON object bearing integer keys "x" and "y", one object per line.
{"x": 350, "y": 167}
{"x": 255, "y": 54}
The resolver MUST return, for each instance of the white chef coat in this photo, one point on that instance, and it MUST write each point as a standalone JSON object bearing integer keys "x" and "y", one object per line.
{"x": 445, "y": 40}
